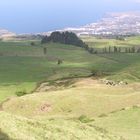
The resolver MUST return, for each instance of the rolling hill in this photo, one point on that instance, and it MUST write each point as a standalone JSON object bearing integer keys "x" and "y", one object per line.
{"x": 72, "y": 100}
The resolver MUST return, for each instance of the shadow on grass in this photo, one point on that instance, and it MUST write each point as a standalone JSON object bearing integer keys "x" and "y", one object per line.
{"x": 4, "y": 136}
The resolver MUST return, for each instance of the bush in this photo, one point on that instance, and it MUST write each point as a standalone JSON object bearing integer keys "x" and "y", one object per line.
{"x": 21, "y": 93}
{"x": 103, "y": 115}
{"x": 85, "y": 119}
{"x": 97, "y": 73}
{"x": 32, "y": 43}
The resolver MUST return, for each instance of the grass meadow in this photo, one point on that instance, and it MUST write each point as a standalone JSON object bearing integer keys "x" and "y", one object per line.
{"x": 74, "y": 102}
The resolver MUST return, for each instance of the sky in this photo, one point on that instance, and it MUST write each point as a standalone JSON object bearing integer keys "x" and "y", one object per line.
{"x": 33, "y": 16}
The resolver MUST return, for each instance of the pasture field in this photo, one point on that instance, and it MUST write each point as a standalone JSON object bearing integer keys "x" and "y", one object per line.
{"x": 70, "y": 100}
{"x": 22, "y": 66}
{"x": 101, "y": 43}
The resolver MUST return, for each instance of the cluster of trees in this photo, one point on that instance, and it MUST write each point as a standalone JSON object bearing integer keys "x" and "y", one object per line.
{"x": 64, "y": 38}
{"x": 72, "y": 39}
{"x": 117, "y": 37}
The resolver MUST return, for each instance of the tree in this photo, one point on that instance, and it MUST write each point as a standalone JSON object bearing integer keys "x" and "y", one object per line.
{"x": 109, "y": 49}
{"x": 91, "y": 50}
{"x": 129, "y": 50}
{"x": 59, "y": 61}
{"x": 45, "y": 39}
{"x": 126, "y": 50}
{"x": 104, "y": 50}
{"x": 133, "y": 50}
{"x": 32, "y": 43}
{"x": 121, "y": 38}
{"x": 115, "y": 49}
{"x": 138, "y": 50}
{"x": 45, "y": 50}
{"x": 119, "y": 49}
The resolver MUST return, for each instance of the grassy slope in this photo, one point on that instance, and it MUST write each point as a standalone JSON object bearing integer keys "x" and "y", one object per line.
{"x": 87, "y": 97}
{"x": 125, "y": 123}
{"x": 52, "y": 129}
{"x": 23, "y": 66}
{"x": 23, "y": 71}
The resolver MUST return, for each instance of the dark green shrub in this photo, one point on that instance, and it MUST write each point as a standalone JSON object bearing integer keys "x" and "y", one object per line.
{"x": 33, "y": 44}
{"x": 21, "y": 93}
{"x": 85, "y": 119}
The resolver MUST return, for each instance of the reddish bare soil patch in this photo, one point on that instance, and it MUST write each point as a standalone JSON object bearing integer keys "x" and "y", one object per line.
{"x": 45, "y": 107}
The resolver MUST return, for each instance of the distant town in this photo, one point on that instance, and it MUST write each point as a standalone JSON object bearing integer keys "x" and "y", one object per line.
{"x": 126, "y": 23}
{"x": 111, "y": 24}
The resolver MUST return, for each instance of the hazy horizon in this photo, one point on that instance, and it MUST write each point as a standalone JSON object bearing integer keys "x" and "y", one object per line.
{"x": 44, "y": 15}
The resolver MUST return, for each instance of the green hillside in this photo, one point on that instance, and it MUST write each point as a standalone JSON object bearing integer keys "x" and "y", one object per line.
{"x": 86, "y": 109}
{"x": 23, "y": 65}
{"x": 72, "y": 100}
